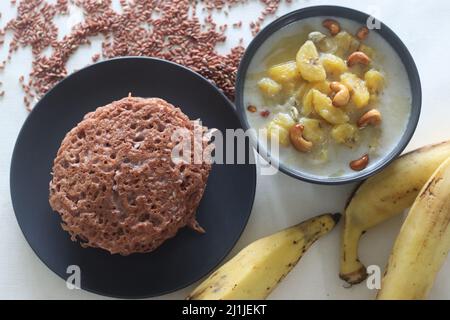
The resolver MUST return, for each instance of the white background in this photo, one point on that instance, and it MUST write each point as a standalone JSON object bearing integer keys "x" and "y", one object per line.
{"x": 280, "y": 201}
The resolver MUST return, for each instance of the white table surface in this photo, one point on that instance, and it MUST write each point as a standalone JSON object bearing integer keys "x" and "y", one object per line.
{"x": 280, "y": 200}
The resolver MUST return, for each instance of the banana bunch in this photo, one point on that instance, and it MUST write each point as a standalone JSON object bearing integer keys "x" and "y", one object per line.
{"x": 255, "y": 271}
{"x": 383, "y": 196}
{"x": 423, "y": 243}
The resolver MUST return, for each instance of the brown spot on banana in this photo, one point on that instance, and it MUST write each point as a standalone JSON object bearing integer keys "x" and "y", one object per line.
{"x": 298, "y": 238}
{"x": 428, "y": 190}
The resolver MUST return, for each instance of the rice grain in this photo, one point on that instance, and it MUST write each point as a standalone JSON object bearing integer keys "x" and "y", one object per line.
{"x": 167, "y": 29}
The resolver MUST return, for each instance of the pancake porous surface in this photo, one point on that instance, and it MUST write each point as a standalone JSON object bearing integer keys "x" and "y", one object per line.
{"x": 115, "y": 184}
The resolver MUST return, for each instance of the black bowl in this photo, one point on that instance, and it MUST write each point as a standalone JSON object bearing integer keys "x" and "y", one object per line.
{"x": 180, "y": 261}
{"x": 360, "y": 17}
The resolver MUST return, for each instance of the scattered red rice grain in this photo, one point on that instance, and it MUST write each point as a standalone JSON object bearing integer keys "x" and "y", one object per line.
{"x": 237, "y": 25}
{"x": 164, "y": 29}
{"x": 265, "y": 113}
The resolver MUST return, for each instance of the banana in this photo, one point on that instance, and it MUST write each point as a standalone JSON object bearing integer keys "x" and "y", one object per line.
{"x": 423, "y": 243}
{"x": 383, "y": 196}
{"x": 308, "y": 63}
{"x": 255, "y": 271}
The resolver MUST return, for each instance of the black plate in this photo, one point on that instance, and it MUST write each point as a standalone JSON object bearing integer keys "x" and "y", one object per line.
{"x": 223, "y": 212}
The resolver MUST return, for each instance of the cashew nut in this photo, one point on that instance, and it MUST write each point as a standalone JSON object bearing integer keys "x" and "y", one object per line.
{"x": 372, "y": 117}
{"x": 332, "y": 25}
{"x": 342, "y": 95}
{"x": 358, "y": 57}
{"x": 297, "y": 140}
{"x": 360, "y": 164}
{"x": 362, "y": 33}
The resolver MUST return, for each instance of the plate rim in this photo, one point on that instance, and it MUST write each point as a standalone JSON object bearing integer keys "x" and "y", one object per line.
{"x": 230, "y": 106}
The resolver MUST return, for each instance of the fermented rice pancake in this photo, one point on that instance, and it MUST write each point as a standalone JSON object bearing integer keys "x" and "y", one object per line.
{"x": 115, "y": 184}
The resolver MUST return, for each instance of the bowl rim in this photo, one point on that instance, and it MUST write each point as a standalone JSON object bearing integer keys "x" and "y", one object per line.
{"x": 360, "y": 17}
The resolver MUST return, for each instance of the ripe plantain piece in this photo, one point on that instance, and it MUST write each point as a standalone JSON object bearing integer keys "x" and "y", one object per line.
{"x": 383, "y": 196}
{"x": 255, "y": 271}
{"x": 309, "y": 64}
{"x": 423, "y": 243}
